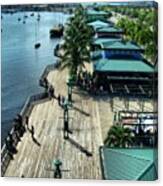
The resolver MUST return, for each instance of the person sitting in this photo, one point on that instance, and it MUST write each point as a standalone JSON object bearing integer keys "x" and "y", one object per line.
{"x": 51, "y": 91}
{"x": 19, "y": 124}
{"x": 16, "y": 132}
{"x": 45, "y": 82}
{"x": 10, "y": 146}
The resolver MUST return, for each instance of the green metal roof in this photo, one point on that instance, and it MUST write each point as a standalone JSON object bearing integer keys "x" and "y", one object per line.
{"x": 120, "y": 45}
{"x": 125, "y": 65}
{"x": 98, "y": 24}
{"x": 110, "y": 29}
{"x": 100, "y": 41}
{"x": 129, "y": 164}
{"x": 156, "y": 66}
{"x": 94, "y": 12}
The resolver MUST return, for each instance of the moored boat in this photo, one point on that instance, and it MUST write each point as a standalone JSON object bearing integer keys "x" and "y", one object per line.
{"x": 38, "y": 17}
{"x": 37, "y": 45}
{"x": 25, "y": 16}
{"x": 56, "y": 31}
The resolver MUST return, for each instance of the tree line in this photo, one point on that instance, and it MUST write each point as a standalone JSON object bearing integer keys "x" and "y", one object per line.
{"x": 140, "y": 25}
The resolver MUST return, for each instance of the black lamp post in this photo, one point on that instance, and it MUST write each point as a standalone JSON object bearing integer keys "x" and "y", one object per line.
{"x": 69, "y": 86}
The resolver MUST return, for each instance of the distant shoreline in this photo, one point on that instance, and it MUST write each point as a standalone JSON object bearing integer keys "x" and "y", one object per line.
{"x": 71, "y": 6}
{"x": 38, "y": 8}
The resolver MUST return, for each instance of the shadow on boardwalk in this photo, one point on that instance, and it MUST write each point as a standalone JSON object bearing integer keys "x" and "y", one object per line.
{"x": 81, "y": 111}
{"x": 78, "y": 146}
{"x": 33, "y": 138}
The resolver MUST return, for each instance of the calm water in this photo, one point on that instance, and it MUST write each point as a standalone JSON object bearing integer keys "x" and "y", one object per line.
{"x": 21, "y": 64}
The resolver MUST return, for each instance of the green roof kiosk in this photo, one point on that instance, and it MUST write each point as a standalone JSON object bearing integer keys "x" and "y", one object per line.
{"x": 129, "y": 164}
{"x": 93, "y": 15}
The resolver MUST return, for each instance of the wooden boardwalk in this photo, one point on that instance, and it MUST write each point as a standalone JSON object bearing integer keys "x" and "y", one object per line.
{"x": 34, "y": 158}
{"x": 90, "y": 120}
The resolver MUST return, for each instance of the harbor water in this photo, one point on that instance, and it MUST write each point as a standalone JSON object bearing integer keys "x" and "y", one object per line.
{"x": 22, "y": 64}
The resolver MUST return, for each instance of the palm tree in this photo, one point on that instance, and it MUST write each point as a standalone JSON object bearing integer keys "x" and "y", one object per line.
{"x": 77, "y": 42}
{"x": 119, "y": 136}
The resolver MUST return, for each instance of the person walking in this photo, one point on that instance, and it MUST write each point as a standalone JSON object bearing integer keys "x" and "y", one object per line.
{"x": 27, "y": 121}
{"x": 19, "y": 124}
{"x": 59, "y": 100}
{"x": 62, "y": 101}
{"x": 51, "y": 92}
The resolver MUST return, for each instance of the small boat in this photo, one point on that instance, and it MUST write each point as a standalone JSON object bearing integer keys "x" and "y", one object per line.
{"x": 23, "y": 22}
{"x": 56, "y": 31}
{"x": 37, "y": 45}
{"x": 38, "y": 17}
{"x": 25, "y": 16}
{"x": 19, "y": 19}
{"x": 32, "y": 14}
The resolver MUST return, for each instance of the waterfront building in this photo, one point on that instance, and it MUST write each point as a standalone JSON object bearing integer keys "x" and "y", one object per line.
{"x": 113, "y": 48}
{"x": 109, "y": 32}
{"x": 100, "y": 24}
{"x": 129, "y": 164}
{"x": 93, "y": 15}
{"x": 124, "y": 76}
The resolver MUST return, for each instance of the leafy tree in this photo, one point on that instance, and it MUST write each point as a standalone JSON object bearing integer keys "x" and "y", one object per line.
{"x": 142, "y": 30}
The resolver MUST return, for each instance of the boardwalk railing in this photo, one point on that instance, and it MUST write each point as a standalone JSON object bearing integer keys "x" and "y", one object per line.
{"x": 6, "y": 155}
{"x": 46, "y": 72}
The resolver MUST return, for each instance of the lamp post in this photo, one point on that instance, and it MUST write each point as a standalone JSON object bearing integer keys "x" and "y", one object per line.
{"x": 65, "y": 120}
{"x": 69, "y": 92}
{"x": 70, "y": 83}
{"x": 57, "y": 170}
